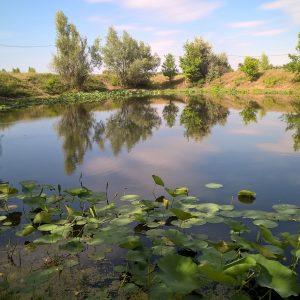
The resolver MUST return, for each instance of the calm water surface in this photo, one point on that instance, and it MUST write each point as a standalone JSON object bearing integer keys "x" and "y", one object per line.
{"x": 188, "y": 142}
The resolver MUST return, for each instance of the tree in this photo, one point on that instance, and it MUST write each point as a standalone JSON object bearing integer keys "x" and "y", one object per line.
{"x": 250, "y": 67}
{"x": 218, "y": 65}
{"x": 294, "y": 64}
{"x": 194, "y": 63}
{"x": 169, "y": 68}
{"x": 31, "y": 70}
{"x": 130, "y": 60}
{"x": 170, "y": 112}
{"x": 74, "y": 59}
{"x": 264, "y": 63}
{"x": 16, "y": 70}
{"x": 200, "y": 63}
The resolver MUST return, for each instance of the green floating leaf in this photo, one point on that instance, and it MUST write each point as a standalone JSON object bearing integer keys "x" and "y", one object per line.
{"x": 97, "y": 256}
{"x": 132, "y": 242}
{"x": 2, "y": 218}
{"x": 27, "y": 230}
{"x": 73, "y": 247}
{"x": 29, "y": 185}
{"x": 38, "y": 277}
{"x": 42, "y": 217}
{"x": 240, "y": 266}
{"x": 214, "y": 185}
{"x": 47, "y": 227}
{"x": 78, "y": 191}
{"x": 246, "y": 193}
{"x": 246, "y": 196}
{"x": 158, "y": 180}
{"x": 7, "y": 190}
{"x": 288, "y": 209}
{"x": 218, "y": 276}
{"x": 266, "y": 223}
{"x": 130, "y": 197}
{"x": 276, "y": 276}
{"x": 268, "y": 237}
{"x": 48, "y": 239}
{"x": 179, "y": 273}
{"x": 182, "y": 215}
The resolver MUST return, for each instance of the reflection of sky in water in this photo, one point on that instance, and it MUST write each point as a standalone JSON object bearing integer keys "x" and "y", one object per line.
{"x": 257, "y": 156}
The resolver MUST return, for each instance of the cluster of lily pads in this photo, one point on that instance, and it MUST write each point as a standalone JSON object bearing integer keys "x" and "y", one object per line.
{"x": 167, "y": 253}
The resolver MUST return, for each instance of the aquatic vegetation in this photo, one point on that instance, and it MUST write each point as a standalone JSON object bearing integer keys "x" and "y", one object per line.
{"x": 164, "y": 252}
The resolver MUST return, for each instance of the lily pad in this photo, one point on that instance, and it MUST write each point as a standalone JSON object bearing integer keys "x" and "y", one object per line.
{"x": 179, "y": 273}
{"x": 214, "y": 185}
{"x": 266, "y": 223}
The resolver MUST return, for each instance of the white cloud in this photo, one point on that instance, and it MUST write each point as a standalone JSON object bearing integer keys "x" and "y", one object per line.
{"x": 248, "y": 24}
{"x": 163, "y": 47}
{"x": 271, "y": 32}
{"x": 291, "y": 7}
{"x": 175, "y": 10}
{"x": 171, "y": 10}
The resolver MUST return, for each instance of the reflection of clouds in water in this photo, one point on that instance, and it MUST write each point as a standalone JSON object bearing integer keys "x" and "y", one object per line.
{"x": 245, "y": 131}
{"x": 1, "y": 136}
{"x": 141, "y": 163}
{"x": 283, "y": 146}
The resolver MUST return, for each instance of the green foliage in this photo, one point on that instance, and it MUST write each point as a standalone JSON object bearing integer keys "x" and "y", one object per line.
{"x": 294, "y": 64}
{"x": 130, "y": 60}
{"x": 53, "y": 85}
{"x": 250, "y": 67}
{"x": 168, "y": 67}
{"x": 74, "y": 59}
{"x": 11, "y": 86}
{"x": 16, "y": 70}
{"x": 200, "y": 63}
{"x": 264, "y": 63}
{"x": 271, "y": 81}
{"x": 31, "y": 70}
{"x": 156, "y": 257}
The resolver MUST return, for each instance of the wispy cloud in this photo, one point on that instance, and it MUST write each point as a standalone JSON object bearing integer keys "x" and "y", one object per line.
{"x": 164, "y": 46}
{"x": 171, "y": 10}
{"x": 247, "y": 24}
{"x": 291, "y": 7}
{"x": 270, "y": 32}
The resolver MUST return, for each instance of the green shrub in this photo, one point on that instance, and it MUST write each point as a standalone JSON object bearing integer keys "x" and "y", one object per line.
{"x": 53, "y": 85}
{"x": 93, "y": 84}
{"x": 16, "y": 70}
{"x": 271, "y": 81}
{"x": 11, "y": 86}
{"x": 250, "y": 67}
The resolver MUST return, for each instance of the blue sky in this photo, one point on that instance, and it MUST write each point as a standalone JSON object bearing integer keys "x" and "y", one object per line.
{"x": 232, "y": 26}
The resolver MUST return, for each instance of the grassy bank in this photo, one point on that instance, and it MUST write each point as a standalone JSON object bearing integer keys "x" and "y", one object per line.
{"x": 26, "y": 89}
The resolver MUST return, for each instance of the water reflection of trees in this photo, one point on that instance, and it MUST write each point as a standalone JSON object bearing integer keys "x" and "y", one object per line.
{"x": 170, "y": 112}
{"x": 250, "y": 112}
{"x": 200, "y": 115}
{"x": 75, "y": 127}
{"x": 133, "y": 122}
{"x": 293, "y": 123}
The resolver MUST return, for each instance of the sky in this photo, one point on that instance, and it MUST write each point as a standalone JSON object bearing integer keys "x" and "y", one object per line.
{"x": 236, "y": 27}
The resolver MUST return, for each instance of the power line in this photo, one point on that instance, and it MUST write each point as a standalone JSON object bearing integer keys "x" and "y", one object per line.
{"x": 48, "y": 46}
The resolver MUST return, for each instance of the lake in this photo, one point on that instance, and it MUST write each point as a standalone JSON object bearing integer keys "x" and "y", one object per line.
{"x": 70, "y": 243}
{"x": 242, "y": 143}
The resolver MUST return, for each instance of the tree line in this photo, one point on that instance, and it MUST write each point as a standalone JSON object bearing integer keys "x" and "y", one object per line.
{"x": 131, "y": 63}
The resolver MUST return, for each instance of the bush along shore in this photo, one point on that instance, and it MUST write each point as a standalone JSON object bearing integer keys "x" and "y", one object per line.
{"x": 7, "y": 104}
{"x": 161, "y": 251}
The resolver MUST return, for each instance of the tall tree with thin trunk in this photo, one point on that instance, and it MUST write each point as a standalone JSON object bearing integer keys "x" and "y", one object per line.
{"x": 74, "y": 59}
{"x": 169, "y": 68}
